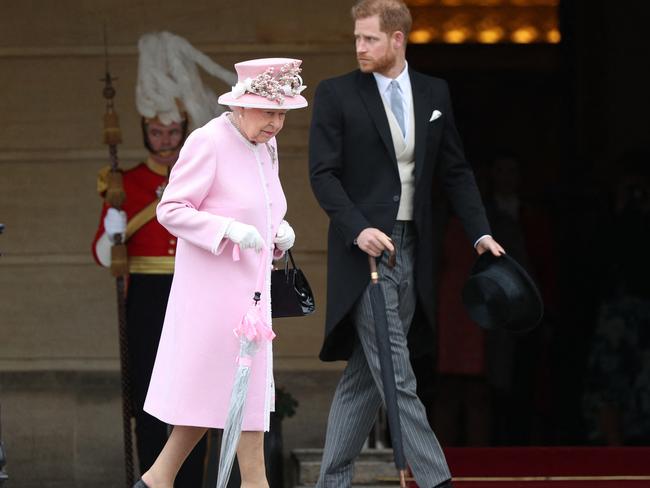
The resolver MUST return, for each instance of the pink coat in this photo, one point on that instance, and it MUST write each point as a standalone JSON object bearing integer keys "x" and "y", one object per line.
{"x": 219, "y": 176}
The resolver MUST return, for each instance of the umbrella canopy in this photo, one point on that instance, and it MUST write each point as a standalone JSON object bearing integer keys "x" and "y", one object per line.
{"x": 253, "y": 330}
{"x": 386, "y": 366}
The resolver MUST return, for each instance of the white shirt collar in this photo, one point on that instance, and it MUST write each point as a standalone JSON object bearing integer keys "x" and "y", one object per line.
{"x": 403, "y": 79}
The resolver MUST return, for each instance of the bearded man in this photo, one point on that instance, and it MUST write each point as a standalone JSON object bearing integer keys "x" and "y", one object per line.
{"x": 380, "y": 137}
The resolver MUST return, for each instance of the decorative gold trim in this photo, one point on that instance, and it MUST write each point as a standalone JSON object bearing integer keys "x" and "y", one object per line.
{"x": 141, "y": 218}
{"x": 151, "y": 264}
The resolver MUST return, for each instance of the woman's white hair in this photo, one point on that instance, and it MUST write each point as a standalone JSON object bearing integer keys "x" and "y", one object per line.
{"x": 168, "y": 73}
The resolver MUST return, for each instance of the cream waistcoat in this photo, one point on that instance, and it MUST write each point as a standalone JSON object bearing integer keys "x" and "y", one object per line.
{"x": 405, "y": 154}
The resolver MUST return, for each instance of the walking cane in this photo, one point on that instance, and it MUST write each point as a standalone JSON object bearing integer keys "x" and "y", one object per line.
{"x": 119, "y": 268}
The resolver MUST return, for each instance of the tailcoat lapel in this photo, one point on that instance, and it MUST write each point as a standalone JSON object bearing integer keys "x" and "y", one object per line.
{"x": 421, "y": 108}
{"x": 372, "y": 99}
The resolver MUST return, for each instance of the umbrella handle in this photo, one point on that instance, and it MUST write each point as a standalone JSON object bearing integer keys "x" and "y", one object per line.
{"x": 392, "y": 259}
{"x": 374, "y": 275}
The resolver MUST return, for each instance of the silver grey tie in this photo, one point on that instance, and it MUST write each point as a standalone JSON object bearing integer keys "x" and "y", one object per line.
{"x": 397, "y": 105}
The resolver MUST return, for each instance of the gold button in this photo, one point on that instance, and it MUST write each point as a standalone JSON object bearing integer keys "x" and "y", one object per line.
{"x": 170, "y": 251}
{"x": 172, "y": 241}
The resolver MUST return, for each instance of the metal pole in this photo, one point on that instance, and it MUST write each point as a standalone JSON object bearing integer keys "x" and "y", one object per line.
{"x": 115, "y": 197}
{"x": 3, "y": 458}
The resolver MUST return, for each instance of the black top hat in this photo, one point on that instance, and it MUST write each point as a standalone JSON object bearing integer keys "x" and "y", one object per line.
{"x": 499, "y": 294}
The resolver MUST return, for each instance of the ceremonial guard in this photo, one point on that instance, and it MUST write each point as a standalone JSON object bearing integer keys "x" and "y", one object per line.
{"x": 172, "y": 101}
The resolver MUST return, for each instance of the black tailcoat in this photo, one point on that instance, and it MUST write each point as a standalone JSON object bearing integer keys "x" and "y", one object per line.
{"x": 354, "y": 175}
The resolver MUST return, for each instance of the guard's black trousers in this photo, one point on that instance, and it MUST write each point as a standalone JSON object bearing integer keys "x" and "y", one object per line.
{"x": 145, "y": 312}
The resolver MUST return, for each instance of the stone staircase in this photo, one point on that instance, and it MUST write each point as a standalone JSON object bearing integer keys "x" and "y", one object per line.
{"x": 371, "y": 468}
{"x": 503, "y": 467}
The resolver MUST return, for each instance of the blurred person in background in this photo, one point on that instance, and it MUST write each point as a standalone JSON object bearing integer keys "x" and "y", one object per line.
{"x": 616, "y": 400}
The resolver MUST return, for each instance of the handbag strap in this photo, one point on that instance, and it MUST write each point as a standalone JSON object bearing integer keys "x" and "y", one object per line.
{"x": 288, "y": 257}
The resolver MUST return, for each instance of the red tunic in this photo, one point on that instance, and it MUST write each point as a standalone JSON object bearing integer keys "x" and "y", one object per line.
{"x": 151, "y": 248}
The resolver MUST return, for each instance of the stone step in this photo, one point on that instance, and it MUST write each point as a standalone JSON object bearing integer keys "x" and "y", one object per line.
{"x": 370, "y": 468}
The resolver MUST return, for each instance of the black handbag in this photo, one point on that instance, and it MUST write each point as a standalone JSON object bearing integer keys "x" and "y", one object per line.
{"x": 291, "y": 295}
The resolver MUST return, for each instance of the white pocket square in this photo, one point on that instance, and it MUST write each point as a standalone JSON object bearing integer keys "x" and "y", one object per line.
{"x": 434, "y": 115}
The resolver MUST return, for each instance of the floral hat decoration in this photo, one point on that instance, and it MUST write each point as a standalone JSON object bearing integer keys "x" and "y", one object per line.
{"x": 270, "y": 83}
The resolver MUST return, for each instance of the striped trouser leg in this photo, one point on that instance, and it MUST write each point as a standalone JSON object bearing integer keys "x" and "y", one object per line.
{"x": 352, "y": 415}
{"x": 423, "y": 452}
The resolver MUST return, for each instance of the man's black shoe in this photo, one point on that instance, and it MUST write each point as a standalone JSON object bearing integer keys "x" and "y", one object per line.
{"x": 445, "y": 484}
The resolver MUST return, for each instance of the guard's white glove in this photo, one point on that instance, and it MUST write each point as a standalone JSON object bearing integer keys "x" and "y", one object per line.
{"x": 115, "y": 223}
{"x": 285, "y": 237}
{"x": 247, "y": 236}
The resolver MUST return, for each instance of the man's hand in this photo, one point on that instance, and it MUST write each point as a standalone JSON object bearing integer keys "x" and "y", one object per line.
{"x": 489, "y": 244}
{"x": 374, "y": 242}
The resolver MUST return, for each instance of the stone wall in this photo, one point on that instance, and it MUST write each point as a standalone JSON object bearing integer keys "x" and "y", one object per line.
{"x": 59, "y": 383}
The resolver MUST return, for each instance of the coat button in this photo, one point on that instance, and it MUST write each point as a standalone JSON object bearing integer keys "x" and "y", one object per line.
{"x": 170, "y": 251}
{"x": 396, "y": 198}
{"x": 172, "y": 241}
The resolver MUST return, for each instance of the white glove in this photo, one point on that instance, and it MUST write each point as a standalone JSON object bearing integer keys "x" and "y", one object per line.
{"x": 285, "y": 237}
{"x": 245, "y": 235}
{"x": 115, "y": 223}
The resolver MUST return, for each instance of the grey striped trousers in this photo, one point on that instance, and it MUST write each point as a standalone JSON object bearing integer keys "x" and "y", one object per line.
{"x": 359, "y": 393}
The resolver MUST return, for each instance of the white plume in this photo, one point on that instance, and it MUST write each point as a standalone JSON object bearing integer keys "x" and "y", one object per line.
{"x": 167, "y": 70}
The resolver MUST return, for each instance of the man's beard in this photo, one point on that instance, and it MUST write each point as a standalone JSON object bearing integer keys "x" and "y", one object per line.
{"x": 381, "y": 64}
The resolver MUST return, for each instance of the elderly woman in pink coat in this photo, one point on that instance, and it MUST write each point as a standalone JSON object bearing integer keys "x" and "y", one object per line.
{"x": 225, "y": 204}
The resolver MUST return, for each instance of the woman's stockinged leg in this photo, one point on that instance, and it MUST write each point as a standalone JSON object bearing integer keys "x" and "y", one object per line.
{"x": 179, "y": 445}
{"x": 250, "y": 455}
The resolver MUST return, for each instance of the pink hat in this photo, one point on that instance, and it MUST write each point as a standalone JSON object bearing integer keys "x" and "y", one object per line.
{"x": 271, "y": 83}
